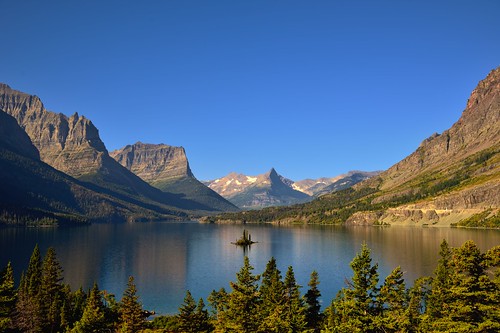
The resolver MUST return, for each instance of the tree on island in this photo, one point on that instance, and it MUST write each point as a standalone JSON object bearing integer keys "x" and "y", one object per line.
{"x": 245, "y": 240}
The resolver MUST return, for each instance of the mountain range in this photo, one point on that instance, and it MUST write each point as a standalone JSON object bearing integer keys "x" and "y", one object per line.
{"x": 55, "y": 169}
{"x": 451, "y": 178}
{"x": 272, "y": 189}
{"x": 33, "y": 192}
{"x": 72, "y": 146}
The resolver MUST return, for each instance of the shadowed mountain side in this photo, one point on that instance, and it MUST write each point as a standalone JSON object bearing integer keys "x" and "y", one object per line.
{"x": 32, "y": 190}
{"x": 13, "y": 138}
{"x": 195, "y": 191}
{"x": 73, "y": 146}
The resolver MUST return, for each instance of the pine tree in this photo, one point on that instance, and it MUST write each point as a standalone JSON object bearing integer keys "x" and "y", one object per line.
{"x": 440, "y": 297}
{"x": 392, "y": 301}
{"x": 218, "y": 301}
{"x": 131, "y": 314}
{"x": 294, "y": 310}
{"x": 355, "y": 307}
{"x": 475, "y": 301}
{"x": 242, "y": 314}
{"x": 202, "y": 318}
{"x": 93, "y": 319}
{"x": 417, "y": 298}
{"x": 271, "y": 294}
{"x": 7, "y": 297}
{"x": 51, "y": 292}
{"x": 313, "y": 307}
{"x": 75, "y": 304}
{"x": 28, "y": 314}
{"x": 187, "y": 314}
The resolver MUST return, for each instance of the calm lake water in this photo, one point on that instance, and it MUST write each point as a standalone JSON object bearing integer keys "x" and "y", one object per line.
{"x": 168, "y": 258}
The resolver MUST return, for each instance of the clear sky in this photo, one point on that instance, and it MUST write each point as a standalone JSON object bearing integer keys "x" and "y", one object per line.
{"x": 312, "y": 88}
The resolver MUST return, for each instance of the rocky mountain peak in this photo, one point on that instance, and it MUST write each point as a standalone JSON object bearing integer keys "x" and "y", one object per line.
{"x": 486, "y": 88}
{"x": 154, "y": 162}
{"x": 70, "y": 144}
{"x": 477, "y": 129}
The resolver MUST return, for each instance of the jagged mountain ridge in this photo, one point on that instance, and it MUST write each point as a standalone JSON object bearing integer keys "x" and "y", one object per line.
{"x": 237, "y": 187}
{"x": 269, "y": 189}
{"x": 34, "y": 191}
{"x": 167, "y": 168}
{"x": 453, "y": 177}
{"x": 73, "y": 146}
{"x": 320, "y": 186}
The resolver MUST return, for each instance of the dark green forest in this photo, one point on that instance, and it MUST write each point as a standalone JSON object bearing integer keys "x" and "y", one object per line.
{"x": 462, "y": 295}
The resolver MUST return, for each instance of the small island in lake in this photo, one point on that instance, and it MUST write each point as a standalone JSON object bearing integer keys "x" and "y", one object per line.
{"x": 245, "y": 240}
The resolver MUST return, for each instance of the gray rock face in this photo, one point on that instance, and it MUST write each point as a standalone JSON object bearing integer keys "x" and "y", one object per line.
{"x": 154, "y": 163}
{"x": 69, "y": 144}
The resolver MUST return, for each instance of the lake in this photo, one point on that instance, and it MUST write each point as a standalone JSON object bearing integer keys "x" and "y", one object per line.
{"x": 168, "y": 258}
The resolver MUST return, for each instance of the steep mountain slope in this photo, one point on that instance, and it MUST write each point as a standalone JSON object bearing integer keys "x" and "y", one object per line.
{"x": 320, "y": 186}
{"x": 269, "y": 189}
{"x": 32, "y": 192}
{"x": 453, "y": 177}
{"x": 73, "y": 146}
{"x": 167, "y": 168}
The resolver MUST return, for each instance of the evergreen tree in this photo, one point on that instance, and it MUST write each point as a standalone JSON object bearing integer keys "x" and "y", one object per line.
{"x": 355, "y": 308}
{"x": 187, "y": 313}
{"x": 7, "y": 297}
{"x": 34, "y": 273}
{"x": 474, "y": 303}
{"x": 51, "y": 292}
{"x": 392, "y": 301}
{"x": 271, "y": 294}
{"x": 417, "y": 298}
{"x": 93, "y": 319}
{"x": 75, "y": 305}
{"x": 492, "y": 261}
{"x": 294, "y": 310}
{"x": 440, "y": 296}
{"x": 202, "y": 318}
{"x": 313, "y": 307}
{"x": 218, "y": 301}
{"x": 242, "y": 314}
{"x": 193, "y": 317}
{"x": 29, "y": 315}
{"x": 131, "y": 314}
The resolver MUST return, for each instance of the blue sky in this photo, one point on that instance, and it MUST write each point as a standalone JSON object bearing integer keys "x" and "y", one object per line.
{"x": 312, "y": 88}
